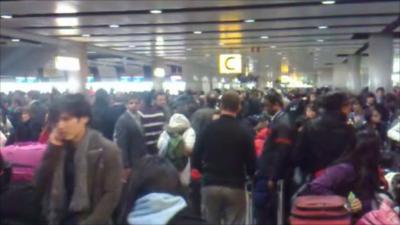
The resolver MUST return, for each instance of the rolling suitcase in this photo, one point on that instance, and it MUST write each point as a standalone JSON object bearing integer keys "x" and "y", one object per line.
{"x": 317, "y": 210}
{"x": 24, "y": 159}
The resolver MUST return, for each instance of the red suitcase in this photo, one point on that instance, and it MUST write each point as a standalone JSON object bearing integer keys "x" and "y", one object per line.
{"x": 24, "y": 159}
{"x": 318, "y": 210}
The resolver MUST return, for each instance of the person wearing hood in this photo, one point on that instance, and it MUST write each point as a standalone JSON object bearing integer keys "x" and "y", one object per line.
{"x": 179, "y": 125}
{"x": 154, "y": 196}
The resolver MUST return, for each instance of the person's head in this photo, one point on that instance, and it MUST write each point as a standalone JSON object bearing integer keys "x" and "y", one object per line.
{"x": 102, "y": 98}
{"x": 33, "y": 95}
{"x": 357, "y": 107}
{"x": 273, "y": 102}
{"x": 313, "y": 96}
{"x": 311, "y": 111}
{"x": 25, "y": 114}
{"x": 365, "y": 158}
{"x": 373, "y": 116}
{"x": 153, "y": 174}
{"x": 380, "y": 92}
{"x": 212, "y": 99}
{"x": 74, "y": 115}
{"x": 160, "y": 100}
{"x": 230, "y": 102}
{"x": 370, "y": 99}
{"x": 134, "y": 103}
{"x": 337, "y": 102}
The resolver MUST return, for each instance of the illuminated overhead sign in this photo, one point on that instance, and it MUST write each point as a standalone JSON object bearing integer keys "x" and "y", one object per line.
{"x": 230, "y": 64}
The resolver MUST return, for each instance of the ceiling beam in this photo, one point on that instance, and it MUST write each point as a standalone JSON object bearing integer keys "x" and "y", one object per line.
{"x": 66, "y": 43}
{"x": 191, "y": 23}
{"x": 388, "y": 29}
{"x": 197, "y": 9}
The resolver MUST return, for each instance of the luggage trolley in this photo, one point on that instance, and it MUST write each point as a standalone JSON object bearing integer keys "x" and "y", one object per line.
{"x": 249, "y": 203}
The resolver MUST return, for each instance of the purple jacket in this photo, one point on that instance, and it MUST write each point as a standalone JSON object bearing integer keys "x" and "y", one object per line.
{"x": 338, "y": 180}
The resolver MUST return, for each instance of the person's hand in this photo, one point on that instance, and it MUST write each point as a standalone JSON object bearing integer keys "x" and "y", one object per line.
{"x": 355, "y": 205}
{"x": 55, "y": 138}
{"x": 270, "y": 185}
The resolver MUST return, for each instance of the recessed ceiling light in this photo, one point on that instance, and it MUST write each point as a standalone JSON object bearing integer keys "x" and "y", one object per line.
{"x": 279, "y": 53}
{"x": 273, "y": 46}
{"x": 328, "y": 2}
{"x": 264, "y": 37}
{"x": 114, "y": 26}
{"x": 284, "y": 57}
{"x": 85, "y": 35}
{"x": 320, "y": 40}
{"x": 131, "y": 46}
{"x": 250, "y": 21}
{"x": 197, "y": 32}
{"x": 7, "y": 17}
{"x": 67, "y": 21}
{"x": 322, "y": 27}
{"x": 15, "y": 40}
{"x": 63, "y": 7}
{"x": 155, "y": 11}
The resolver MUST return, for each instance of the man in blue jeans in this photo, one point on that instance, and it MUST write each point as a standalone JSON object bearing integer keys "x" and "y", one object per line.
{"x": 224, "y": 154}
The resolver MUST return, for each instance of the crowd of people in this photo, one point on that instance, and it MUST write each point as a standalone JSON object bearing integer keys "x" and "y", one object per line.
{"x": 153, "y": 158}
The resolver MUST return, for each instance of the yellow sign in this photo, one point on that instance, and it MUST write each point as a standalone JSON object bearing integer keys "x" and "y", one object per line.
{"x": 284, "y": 68}
{"x": 230, "y": 63}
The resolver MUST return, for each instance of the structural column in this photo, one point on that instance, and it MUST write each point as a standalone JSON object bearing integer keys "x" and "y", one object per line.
{"x": 380, "y": 61}
{"x": 77, "y": 79}
{"x": 340, "y": 76}
{"x": 353, "y": 73}
{"x": 84, "y": 70}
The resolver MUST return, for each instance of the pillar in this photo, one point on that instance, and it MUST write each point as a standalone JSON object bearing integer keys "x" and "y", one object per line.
{"x": 340, "y": 76}
{"x": 353, "y": 73}
{"x": 380, "y": 61}
{"x": 77, "y": 79}
{"x": 84, "y": 68}
{"x": 324, "y": 77}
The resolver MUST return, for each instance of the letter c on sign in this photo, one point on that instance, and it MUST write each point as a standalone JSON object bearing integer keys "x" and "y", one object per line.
{"x": 227, "y": 63}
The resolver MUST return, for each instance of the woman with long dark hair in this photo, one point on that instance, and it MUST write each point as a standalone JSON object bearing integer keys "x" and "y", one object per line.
{"x": 356, "y": 172}
{"x": 154, "y": 195}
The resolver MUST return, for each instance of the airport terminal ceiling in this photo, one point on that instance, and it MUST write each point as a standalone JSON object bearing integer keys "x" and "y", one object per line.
{"x": 309, "y": 34}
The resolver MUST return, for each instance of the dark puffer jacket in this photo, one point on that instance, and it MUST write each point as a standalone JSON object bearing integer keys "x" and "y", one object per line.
{"x": 322, "y": 141}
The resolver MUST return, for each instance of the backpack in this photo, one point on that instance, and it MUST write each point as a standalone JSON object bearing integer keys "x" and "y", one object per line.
{"x": 175, "y": 151}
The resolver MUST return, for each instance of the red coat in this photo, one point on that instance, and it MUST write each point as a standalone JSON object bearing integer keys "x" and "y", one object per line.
{"x": 259, "y": 140}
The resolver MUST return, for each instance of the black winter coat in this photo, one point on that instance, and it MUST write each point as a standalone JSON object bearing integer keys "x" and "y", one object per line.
{"x": 322, "y": 141}
{"x": 275, "y": 161}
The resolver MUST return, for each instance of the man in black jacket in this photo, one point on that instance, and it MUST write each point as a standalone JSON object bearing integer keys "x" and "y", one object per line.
{"x": 324, "y": 139}
{"x": 129, "y": 135}
{"x": 224, "y": 155}
{"x": 275, "y": 161}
